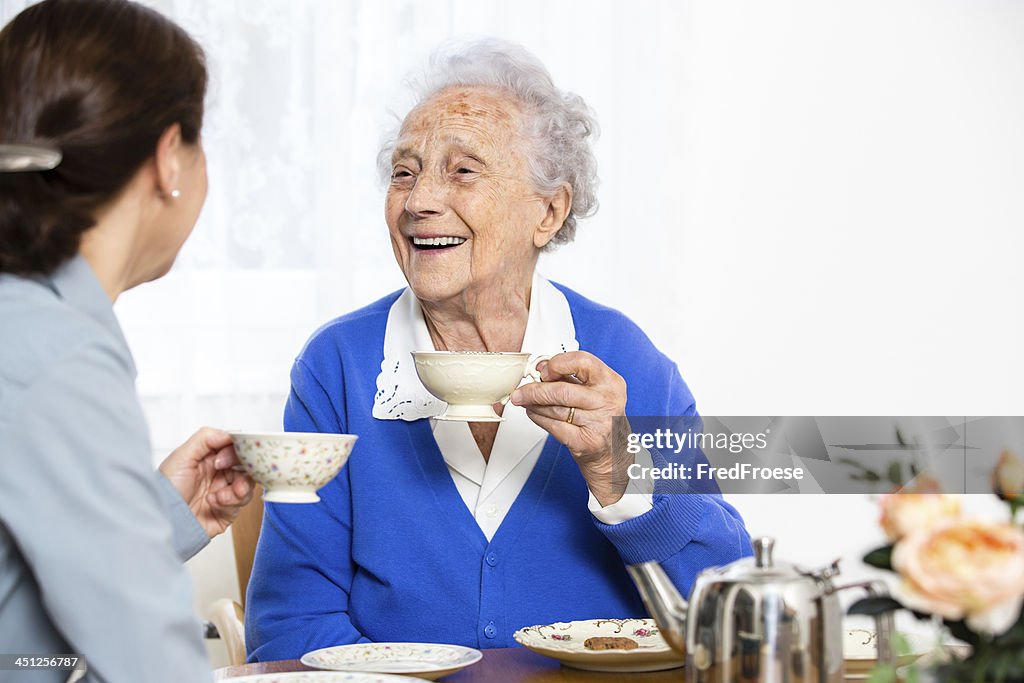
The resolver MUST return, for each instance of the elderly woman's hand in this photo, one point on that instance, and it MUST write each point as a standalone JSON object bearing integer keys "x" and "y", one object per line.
{"x": 576, "y": 403}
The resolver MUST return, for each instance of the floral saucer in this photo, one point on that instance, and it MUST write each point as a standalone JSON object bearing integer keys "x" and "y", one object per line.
{"x": 564, "y": 641}
{"x": 321, "y": 677}
{"x": 426, "y": 660}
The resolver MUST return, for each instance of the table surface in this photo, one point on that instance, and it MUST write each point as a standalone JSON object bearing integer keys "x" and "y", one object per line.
{"x": 508, "y": 665}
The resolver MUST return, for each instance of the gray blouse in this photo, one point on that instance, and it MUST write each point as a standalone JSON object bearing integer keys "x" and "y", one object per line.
{"x": 91, "y": 539}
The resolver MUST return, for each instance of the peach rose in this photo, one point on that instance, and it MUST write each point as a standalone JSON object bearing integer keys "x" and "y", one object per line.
{"x": 1008, "y": 476}
{"x": 903, "y": 513}
{"x": 964, "y": 569}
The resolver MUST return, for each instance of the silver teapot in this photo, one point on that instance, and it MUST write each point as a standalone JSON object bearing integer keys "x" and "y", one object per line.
{"x": 757, "y": 620}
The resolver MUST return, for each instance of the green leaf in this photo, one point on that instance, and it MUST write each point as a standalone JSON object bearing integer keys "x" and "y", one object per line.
{"x": 1015, "y": 503}
{"x": 958, "y": 629}
{"x": 853, "y": 463}
{"x": 900, "y": 644}
{"x": 1002, "y": 666}
{"x": 896, "y": 474}
{"x": 875, "y": 605}
{"x": 883, "y": 673}
{"x": 880, "y": 557}
{"x": 911, "y": 674}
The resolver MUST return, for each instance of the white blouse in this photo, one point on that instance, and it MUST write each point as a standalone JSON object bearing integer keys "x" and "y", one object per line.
{"x": 487, "y": 488}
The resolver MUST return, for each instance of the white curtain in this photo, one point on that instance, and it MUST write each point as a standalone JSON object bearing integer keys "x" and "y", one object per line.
{"x": 292, "y": 233}
{"x": 812, "y": 207}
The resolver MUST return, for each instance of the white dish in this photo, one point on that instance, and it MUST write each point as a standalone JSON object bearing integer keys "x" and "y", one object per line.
{"x": 321, "y": 677}
{"x": 427, "y": 660}
{"x": 564, "y": 641}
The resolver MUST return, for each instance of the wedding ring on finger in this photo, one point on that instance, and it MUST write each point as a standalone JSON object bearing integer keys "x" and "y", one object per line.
{"x": 572, "y": 415}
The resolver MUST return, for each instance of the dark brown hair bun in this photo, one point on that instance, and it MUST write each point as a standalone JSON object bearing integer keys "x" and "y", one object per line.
{"x": 100, "y": 81}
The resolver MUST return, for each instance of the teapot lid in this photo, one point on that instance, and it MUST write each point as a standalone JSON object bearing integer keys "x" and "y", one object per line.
{"x": 763, "y": 568}
{"x": 763, "y": 551}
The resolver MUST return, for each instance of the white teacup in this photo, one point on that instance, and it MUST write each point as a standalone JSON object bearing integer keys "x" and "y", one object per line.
{"x": 471, "y": 382}
{"x": 291, "y": 466}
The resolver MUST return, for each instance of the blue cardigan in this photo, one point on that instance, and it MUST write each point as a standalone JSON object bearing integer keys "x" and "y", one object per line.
{"x": 391, "y": 553}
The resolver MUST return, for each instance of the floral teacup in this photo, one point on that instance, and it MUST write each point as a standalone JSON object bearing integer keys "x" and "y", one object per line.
{"x": 291, "y": 466}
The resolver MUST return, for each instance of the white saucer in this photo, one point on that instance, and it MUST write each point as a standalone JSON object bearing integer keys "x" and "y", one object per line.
{"x": 322, "y": 677}
{"x": 564, "y": 641}
{"x": 426, "y": 660}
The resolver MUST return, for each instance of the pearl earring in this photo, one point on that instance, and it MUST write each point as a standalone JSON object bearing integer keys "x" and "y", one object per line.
{"x": 175, "y": 194}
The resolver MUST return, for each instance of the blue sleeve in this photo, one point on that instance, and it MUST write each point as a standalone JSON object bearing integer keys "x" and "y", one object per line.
{"x": 685, "y": 532}
{"x": 298, "y": 595}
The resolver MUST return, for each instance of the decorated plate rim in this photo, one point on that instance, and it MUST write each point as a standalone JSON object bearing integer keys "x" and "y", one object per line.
{"x": 559, "y": 646}
{"x": 470, "y": 656}
{"x": 326, "y": 675}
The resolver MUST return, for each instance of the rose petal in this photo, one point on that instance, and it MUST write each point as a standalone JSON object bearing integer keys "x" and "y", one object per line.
{"x": 997, "y": 619}
{"x": 963, "y": 567}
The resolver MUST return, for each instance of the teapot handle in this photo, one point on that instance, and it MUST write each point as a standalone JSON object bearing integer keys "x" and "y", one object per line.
{"x": 885, "y": 624}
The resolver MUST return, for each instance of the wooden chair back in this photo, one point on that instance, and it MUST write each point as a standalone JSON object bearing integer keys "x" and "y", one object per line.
{"x": 244, "y": 533}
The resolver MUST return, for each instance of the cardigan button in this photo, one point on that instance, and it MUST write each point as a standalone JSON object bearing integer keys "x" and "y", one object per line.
{"x": 490, "y": 630}
{"x": 491, "y": 559}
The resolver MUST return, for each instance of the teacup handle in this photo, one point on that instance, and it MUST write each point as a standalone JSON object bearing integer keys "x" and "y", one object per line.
{"x": 531, "y": 368}
{"x": 531, "y": 373}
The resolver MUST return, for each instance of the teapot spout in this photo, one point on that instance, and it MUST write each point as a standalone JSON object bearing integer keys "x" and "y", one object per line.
{"x": 663, "y": 601}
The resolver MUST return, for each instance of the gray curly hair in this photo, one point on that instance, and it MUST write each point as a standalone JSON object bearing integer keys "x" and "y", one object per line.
{"x": 558, "y": 129}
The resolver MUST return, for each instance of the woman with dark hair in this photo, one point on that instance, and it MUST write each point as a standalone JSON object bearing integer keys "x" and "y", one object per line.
{"x": 102, "y": 177}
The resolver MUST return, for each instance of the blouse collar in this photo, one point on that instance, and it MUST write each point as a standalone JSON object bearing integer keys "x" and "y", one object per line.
{"x": 401, "y": 396}
{"x": 76, "y": 283}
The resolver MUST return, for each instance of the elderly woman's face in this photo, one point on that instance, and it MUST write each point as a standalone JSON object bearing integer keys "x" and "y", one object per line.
{"x": 461, "y": 209}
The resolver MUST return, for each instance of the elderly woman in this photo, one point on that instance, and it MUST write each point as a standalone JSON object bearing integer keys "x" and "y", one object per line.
{"x": 442, "y": 531}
